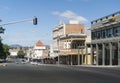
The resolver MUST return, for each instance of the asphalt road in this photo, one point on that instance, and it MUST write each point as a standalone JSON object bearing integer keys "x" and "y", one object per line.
{"x": 27, "y": 73}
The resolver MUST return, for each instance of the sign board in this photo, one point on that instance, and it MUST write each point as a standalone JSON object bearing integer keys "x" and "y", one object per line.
{"x": 109, "y": 20}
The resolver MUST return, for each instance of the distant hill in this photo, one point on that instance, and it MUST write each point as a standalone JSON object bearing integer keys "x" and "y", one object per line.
{"x": 15, "y": 46}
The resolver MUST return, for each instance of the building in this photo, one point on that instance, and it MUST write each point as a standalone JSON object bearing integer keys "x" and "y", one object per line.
{"x": 88, "y": 40}
{"x": 67, "y": 38}
{"x": 13, "y": 52}
{"x": 29, "y": 53}
{"x": 52, "y": 54}
{"x": 105, "y": 40}
{"x": 40, "y": 52}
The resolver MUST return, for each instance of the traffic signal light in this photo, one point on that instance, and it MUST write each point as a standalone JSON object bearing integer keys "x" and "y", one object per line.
{"x": 2, "y": 30}
{"x": 35, "y": 21}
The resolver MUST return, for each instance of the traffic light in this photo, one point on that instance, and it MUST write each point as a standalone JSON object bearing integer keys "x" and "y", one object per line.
{"x": 35, "y": 21}
{"x": 2, "y": 30}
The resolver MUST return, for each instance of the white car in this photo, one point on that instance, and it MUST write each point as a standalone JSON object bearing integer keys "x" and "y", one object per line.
{"x": 33, "y": 63}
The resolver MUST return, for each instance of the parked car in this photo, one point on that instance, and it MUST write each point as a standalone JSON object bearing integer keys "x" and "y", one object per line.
{"x": 33, "y": 63}
{"x": 23, "y": 61}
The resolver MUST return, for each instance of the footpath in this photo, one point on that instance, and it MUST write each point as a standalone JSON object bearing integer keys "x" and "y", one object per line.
{"x": 3, "y": 64}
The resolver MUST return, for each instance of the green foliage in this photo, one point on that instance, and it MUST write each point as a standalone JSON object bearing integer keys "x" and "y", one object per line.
{"x": 20, "y": 54}
{"x": 4, "y": 50}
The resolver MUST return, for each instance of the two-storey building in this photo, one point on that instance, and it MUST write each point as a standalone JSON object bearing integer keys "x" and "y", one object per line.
{"x": 66, "y": 40}
{"x": 105, "y": 40}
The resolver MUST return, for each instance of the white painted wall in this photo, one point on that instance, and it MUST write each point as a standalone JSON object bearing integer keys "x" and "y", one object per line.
{"x": 13, "y": 53}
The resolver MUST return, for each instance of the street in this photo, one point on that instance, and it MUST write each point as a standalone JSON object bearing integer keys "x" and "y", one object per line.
{"x": 27, "y": 73}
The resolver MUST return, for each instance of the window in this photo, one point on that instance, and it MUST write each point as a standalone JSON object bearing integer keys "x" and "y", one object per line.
{"x": 109, "y": 32}
{"x": 98, "y": 35}
{"x": 103, "y": 34}
{"x": 116, "y": 31}
{"x": 93, "y": 35}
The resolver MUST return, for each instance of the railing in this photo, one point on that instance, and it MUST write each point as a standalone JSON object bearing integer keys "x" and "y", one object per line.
{"x": 71, "y": 51}
{"x": 102, "y": 23}
{"x": 113, "y": 39}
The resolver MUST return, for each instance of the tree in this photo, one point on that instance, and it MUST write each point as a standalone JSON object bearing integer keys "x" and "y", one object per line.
{"x": 1, "y": 50}
{"x": 20, "y": 54}
{"x": 4, "y": 50}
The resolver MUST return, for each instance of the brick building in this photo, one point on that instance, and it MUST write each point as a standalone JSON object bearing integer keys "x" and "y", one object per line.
{"x": 66, "y": 40}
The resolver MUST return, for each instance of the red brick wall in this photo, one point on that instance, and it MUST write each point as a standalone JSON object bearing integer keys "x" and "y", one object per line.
{"x": 74, "y": 28}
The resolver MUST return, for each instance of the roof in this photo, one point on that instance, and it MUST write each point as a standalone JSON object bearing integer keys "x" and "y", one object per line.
{"x": 39, "y": 43}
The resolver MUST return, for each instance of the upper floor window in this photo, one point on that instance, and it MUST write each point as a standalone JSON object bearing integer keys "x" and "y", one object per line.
{"x": 103, "y": 34}
{"x": 109, "y": 32}
{"x": 93, "y": 35}
{"x": 116, "y": 31}
{"x": 98, "y": 35}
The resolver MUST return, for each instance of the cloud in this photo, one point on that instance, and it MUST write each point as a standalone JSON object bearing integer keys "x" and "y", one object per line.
{"x": 70, "y": 15}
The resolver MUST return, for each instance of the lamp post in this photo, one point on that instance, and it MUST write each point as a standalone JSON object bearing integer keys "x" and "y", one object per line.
{"x": 58, "y": 44}
{"x": 80, "y": 47}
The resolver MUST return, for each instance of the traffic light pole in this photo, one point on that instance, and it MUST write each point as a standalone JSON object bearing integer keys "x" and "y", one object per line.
{"x": 2, "y": 29}
{"x": 14, "y": 22}
{"x": 34, "y": 22}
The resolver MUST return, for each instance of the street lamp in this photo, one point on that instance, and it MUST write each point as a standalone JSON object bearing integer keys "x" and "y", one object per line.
{"x": 58, "y": 44}
{"x": 80, "y": 47}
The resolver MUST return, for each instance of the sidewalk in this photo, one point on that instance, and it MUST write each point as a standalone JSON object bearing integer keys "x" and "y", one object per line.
{"x": 99, "y": 66}
{"x": 3, "y": 64}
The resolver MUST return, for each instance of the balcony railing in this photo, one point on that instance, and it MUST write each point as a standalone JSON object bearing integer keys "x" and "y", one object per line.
{"x": 112, "y": 39}
{"x": 72, "y": 52}
{"x": 105, "y": 23}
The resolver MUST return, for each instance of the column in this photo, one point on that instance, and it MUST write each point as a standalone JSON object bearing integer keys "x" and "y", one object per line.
{"x": 91, "y": 54}
{"x": 103, "y": 54}
{"x": 58, "y": 44}
{"x": 71, "y": 60}
{"x": 118, "y": 52}
{"x": 82, "y": 55}
{"x": 71, "y": 48}
{"x": 68, "y": 59}
{"x": 86, "y": 55}
{"x": 78, "y": 55}
{"x": 110, "y": 46}
{"x": 97, "y": 56}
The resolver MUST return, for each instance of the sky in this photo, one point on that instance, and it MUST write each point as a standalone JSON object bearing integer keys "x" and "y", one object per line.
{"x": 49, "y": 14}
